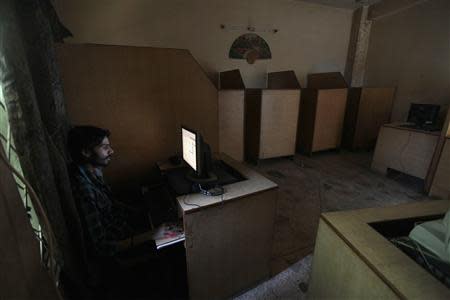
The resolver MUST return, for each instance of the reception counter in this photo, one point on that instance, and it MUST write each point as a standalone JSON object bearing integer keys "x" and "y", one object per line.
{"x": 353, "y": 261}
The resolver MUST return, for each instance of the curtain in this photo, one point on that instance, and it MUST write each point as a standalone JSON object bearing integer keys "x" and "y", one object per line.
{"x": 32, "y": 92}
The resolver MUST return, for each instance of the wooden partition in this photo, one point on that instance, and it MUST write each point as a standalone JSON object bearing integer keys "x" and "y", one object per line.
{"x": 437, "y": 182}
{"x": 282, "y": 80}
{"x": 271, "y": 118}
{"x": 441, "y": 181}
{"x": 323, "y": 112}
{"x": 143, "y": 95}
{"x": 367, "y": 110}
{"x": 231, "y": 114}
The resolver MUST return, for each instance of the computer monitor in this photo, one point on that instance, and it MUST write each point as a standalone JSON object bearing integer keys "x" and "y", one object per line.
{"x": 423, "y": 114}
{"x": 197, "y": 154}
{"x": 191, "y": 149}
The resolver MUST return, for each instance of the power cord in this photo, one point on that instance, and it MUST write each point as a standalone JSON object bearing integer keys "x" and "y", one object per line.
{"x": 189, "y": 204}
{"x": 216, "y": 191}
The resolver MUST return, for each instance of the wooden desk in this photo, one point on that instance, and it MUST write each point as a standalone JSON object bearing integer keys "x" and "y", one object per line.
{"x": 229, "y": 238}
{"x": 353, "y": 261}
{"x": 404, "y": 149}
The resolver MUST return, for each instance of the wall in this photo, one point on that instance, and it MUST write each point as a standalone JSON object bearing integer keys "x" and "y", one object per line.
{"x": 311, "y": 38}
{"x": 411, "y": 50}
{"x": 143, "y": 95}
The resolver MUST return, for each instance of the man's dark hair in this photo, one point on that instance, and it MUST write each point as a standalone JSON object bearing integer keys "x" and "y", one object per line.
{"x": 84, "y": 138}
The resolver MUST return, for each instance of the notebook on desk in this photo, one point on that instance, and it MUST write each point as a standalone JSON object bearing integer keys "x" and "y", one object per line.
{"x": 168, "y": 234}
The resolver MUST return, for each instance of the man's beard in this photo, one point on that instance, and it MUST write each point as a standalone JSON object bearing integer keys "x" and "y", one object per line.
{"x": 97, "y": 161}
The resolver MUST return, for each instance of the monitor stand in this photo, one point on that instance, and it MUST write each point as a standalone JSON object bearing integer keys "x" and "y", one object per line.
{"x": 193, "y": 177}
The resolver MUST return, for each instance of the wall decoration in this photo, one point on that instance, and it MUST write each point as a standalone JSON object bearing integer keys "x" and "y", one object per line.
{"x": 250, "y": 47}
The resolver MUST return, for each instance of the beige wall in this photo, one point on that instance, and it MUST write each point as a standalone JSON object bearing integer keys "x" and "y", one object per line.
{"x": 411, "y": 50}
{"x": 311, "y": 38}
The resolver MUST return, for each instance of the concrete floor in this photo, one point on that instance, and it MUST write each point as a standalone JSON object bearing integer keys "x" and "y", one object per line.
{"x": 327, "y": 181}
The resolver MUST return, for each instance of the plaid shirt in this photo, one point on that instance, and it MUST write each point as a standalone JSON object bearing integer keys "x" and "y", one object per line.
{"x": 104, "y": 222}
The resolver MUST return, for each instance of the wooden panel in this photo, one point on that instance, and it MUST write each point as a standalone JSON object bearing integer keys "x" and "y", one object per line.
{"x": 374, "y": 111}
{"x": 279, "y": 117}
{"x": 228, "y": 247}
{"x": 339, "y": 273}
{"x": 192, "y": 99}
{"x": 332, "y": 80}
{"x": 231, "y": 80}
{"x": 366, "y": 115}
{"x": 437, "y": 152}
{"x": 305, "y": 130}
{"x": 142, "y": 95}
{"x": 329, "y": 119}
{"x": 407, "y": 151}
{"x": 351, "y": 117}
{"x": 231, "y": 123}
{"x": 282, "y": 80}
{"x": 252, "y": 124}
{"x": 441, "y": 183}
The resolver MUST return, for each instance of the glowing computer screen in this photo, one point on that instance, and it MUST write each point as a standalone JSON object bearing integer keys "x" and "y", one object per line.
{"x": 189, "y": 140}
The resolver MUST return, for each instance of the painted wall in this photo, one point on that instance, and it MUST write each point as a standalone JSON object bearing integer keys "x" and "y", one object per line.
{"x": 411, "y": 50}
{"x": 311, "y": 38}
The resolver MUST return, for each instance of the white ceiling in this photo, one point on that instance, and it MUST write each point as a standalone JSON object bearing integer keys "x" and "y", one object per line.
{"x": 348, "y": 4}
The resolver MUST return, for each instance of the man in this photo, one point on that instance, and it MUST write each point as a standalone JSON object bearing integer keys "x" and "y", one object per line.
{"x": 105, "y": 221}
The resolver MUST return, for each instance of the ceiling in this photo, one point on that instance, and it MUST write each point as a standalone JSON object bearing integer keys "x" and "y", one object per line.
{"x": 348, "y": 4}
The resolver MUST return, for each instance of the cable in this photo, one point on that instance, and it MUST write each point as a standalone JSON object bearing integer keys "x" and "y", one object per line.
{"x": 189, "y": 204}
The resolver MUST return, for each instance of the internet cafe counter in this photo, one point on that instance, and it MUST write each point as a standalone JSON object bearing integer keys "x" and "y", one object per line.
{"x": 354, "y": 259}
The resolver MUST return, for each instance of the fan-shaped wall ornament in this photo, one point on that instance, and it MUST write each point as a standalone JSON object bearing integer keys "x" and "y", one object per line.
{"x": 251, "y": 47}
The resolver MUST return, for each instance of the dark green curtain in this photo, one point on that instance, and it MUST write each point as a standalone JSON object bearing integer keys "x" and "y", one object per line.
{"x": 33, "y": 94}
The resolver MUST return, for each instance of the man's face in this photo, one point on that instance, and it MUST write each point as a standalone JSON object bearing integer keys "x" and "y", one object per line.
{"x": 100, "y": 155}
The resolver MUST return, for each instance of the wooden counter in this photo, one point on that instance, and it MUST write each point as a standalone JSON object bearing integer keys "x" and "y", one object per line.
{"x": 229, "y": 238}
{"x": 353, "y": 261}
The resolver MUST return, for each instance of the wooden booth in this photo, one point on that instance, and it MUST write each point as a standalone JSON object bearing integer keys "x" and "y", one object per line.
{"x": 323, "y": 112}
{"x": 367, "y": 110}
{"x": 231, "y": 114}
{"x": 354, "y": 259}
{"x": 271, "y": 117}
{"x": 258, "y": 123}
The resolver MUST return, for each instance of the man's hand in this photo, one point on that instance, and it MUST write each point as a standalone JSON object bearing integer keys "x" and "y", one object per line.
{"x": 134, "y": 241}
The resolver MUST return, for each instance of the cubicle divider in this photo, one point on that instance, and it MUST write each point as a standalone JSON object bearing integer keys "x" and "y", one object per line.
{"x": 367, "y": 110}
{"x": 437, "y": 182}
{"x": 231, "y": 114}
{"x": 143, "y": 95}
{"x": 258, "y": 123}
{"x": 323, "y": 111}
{"x": 272, "y": 117}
